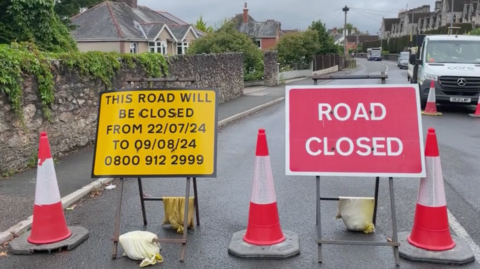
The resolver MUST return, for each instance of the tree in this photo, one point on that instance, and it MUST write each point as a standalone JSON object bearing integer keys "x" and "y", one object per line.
{"x": 35, "y": 21}
{"x": 228, "y": 39}
{"x": 297, "y": 49}
{"x": 326, "y": 42}
{"x": 202, "y": 26}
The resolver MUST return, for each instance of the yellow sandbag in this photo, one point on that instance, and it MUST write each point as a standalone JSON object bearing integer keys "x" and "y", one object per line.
{"x": 357, "y": 213}
{"x": 174, "y": 211}
{"x": 141, "y": 245}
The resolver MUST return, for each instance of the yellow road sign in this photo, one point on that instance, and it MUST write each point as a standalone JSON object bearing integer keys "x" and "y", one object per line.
{"x": 156, "y": 133}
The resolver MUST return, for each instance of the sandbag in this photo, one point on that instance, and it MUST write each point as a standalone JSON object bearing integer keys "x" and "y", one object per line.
{"x": 141, "y": 245}
{"x": 174, "y": 212}
{"x": 356, "y": 213}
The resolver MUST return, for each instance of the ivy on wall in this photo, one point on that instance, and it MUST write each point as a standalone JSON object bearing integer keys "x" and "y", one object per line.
{"x": 20, "y": 59}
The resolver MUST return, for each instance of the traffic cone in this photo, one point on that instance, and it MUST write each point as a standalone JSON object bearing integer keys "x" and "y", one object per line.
{"x": 263, "y": 221}
{"x": 431, "y": 230}
{"x": 48, "y": 224}
{"x": 263, "y": 228}
{"x": 431, "y": 107}
{"x": 477, "y": 112}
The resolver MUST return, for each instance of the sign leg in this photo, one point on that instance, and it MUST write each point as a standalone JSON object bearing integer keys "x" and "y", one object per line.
{"x": 195, "y": 193}
{"x": 116, "y": 232}
{"x": 142, "y": 201}
{"x": 319, "y": 220}
{"x": 185, "y": 220}
{"x": 374, "y": 220}
{"x": 396, "y": 254}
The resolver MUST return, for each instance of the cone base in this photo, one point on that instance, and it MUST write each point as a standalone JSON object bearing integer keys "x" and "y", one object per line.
{"x": 20, "y": 245}
{"x": 459, "y": 255}
{"x": 48, "y": 225}
{"x": 263, "y": 225}
{"x": 475, "y": 115}
{"x": 290, "y": 247}
{"x": 432, "y": 113}
{"x": 431, "y": 230}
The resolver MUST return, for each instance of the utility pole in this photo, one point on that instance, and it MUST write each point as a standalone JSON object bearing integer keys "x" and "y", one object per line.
{"x": 451, "y": 17}
{"x": 345, "y": 51}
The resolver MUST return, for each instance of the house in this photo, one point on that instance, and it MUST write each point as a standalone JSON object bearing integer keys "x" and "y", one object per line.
{"x": 126, "y": 27}
{"x": 264, "y": 33}
{"x": 337, "y": 36}
{"x": 354, "y": 41}
{"x": 421, "y": 19}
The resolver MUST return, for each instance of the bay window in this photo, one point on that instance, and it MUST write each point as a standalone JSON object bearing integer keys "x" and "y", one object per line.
{"x": 158, "y": 47}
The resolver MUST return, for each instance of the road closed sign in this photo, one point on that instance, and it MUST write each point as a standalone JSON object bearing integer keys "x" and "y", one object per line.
{"x": 365, "y": 130}
{"x": 156, "y": 133}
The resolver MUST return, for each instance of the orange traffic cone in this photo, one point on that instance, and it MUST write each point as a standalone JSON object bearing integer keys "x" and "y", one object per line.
{"x": 49, "y": 224}
{"x": 431, "y": 107}
{"x": 430, "y": 239}
{"x": 263, "y": 221}
{"x": 431, "y": 230}
{"x": 263, "y": 227}
{"x": 477, "y": 112}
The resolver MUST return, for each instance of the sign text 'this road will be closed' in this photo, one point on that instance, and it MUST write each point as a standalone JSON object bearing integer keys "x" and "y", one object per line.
{"x": 156, "y": 132}
{"x": 363, "y": 131}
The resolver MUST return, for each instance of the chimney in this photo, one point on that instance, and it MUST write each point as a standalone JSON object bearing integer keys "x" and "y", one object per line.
{"x": 245, "y": 13}
{"x": 130, "y": 3}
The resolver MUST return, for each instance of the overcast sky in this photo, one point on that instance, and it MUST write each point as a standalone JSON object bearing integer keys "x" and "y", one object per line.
{"x": 365, "y": 15}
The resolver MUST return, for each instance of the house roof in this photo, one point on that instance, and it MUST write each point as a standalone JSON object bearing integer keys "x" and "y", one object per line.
{"x": 118, "y": 21}
{"x": 361, "y": 38}
{"x": 255, "y": 28}
{"x": 418, "y": 16}
{"x": 388, "y": 22}
{"x": 458, "y": 6}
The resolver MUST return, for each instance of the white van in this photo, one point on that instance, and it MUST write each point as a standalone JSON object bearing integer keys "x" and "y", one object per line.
{"x": 452, "y": 62}
{"x": 374, "y": 54}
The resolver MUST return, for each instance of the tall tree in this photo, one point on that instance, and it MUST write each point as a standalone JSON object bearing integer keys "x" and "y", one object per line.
{"x": 202, "y": 26}
{"x": 229, "y": 39}
{"x": 297, "y": 49}
{"x": 36, "y": 21}
{"x": 324, "y": 39}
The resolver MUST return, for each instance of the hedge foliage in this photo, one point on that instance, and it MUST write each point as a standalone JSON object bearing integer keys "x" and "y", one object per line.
{"x": 398, "y": 44}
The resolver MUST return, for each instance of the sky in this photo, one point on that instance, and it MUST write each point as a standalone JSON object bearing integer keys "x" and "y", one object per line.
{"x": 366, "y": 15}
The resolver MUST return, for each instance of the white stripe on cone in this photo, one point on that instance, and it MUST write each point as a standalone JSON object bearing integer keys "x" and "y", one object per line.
{"x": 46, "y": 190}
{"x": 263, "y": 191}
{"x": 431, "y": 191}
{"x": 431, "y": 95}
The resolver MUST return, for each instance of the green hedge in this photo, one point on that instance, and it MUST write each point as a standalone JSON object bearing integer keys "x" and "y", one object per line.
{"x": 398, "y": 44}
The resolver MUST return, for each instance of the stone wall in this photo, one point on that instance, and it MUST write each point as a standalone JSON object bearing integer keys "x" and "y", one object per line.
{"x": 74, "y": 111}
{"x": 270, "y": 73}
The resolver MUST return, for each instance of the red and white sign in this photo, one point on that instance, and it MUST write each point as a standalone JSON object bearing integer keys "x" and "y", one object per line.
{"x": 364, "y": 130}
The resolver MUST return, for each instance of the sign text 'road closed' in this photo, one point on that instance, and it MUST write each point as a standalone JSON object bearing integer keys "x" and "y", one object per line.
{"x": 372, "y": 130}
{"x": 156, "y": 132}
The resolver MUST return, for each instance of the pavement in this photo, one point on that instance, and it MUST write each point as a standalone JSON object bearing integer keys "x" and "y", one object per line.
{"x": 224, "y": 200}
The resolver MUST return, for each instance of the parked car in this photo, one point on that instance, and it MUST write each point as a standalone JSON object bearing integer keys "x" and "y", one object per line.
{"x": 402, "y": 60}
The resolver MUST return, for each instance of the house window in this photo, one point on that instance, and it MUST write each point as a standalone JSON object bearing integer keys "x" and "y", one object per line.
{"x": 258, "y": 42}
{"x": 182, "y": 48}
{"x": 158, "y": 47}
{"x": 133, "y": 48}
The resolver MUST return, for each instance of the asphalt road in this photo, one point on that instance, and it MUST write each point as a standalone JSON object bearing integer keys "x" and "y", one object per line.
{"x": 224, "y": 201}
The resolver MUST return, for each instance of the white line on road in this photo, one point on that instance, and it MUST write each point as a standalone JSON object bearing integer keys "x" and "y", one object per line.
{"x": 386, "y": 68}
{"x": 462, "y": 233}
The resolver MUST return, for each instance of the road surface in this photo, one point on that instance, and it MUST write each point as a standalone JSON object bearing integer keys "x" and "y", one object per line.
{"x": 224, "y": 201}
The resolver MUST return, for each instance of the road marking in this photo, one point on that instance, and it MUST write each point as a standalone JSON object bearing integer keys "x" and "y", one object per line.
{"x": 386, "y": 68}
{"x": 462, "y": 233}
